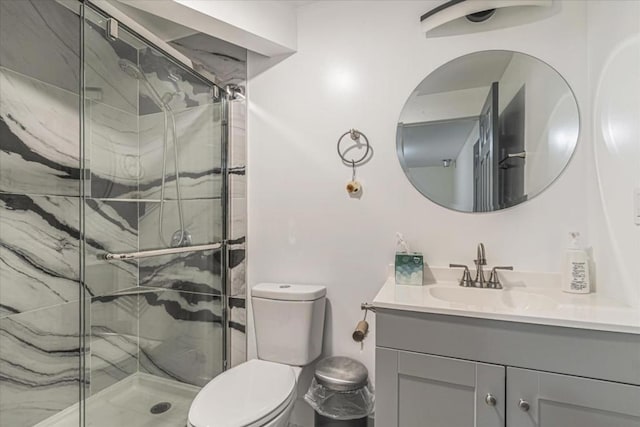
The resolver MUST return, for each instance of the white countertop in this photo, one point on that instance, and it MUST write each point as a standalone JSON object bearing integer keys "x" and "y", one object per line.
{"x": 539, "y": 302}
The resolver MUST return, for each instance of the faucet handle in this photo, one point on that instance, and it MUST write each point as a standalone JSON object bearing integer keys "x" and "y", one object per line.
{"x": 466, "y": 280}
{"x": 494, "y": 280}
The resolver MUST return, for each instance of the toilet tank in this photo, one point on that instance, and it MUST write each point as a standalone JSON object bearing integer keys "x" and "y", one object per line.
{"x": 289, "y": 322}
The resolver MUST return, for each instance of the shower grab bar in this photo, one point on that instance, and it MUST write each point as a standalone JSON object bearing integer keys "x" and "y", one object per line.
{"x": 159, "y": 252}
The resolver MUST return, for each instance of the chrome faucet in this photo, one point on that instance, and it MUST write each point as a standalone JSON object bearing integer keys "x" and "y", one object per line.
{"x": 480, "y": 281}
{"x": 480, "y": 261}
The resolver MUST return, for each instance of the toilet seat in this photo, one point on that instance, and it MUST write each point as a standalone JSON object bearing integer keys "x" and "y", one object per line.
{"x": 249, "y": 395}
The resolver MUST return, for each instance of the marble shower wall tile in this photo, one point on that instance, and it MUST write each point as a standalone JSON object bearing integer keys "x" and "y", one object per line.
{"x": 237, "y": 328}
{"x": 238, "y": 203}
{"x": 39, "y": 364}
{"x": 41, "y": 39}
{"x": 110, "y": 226}
{"x": 177, "y": 87}
{"x": 105, "y": 61}
{"x": 202, "y": 219}
{"x": 237, "y": 198}
{"x": 181, "y": 336}
{"x": 237, "y": 267}
{"x": 199, "y": 153}
{"x": 190, "y": 271}
{"x": 114, "y": 339}
{"x": 112, "y": 151}
{"x": 237, "y": 133}
{"x": 39, "y": 252}
{"x": 39, "y": 137}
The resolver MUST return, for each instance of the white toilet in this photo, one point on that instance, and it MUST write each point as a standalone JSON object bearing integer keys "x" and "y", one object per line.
{"x": 289, "y": 322}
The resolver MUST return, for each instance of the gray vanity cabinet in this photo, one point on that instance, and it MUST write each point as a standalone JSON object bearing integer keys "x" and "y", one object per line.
{"x": 437, "y": 370}
{"x": 537, "y": 399}
{"x": 424, "y": 390}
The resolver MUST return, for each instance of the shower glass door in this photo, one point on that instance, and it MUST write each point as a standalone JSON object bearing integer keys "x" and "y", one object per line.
{"x": 153, "y": 162}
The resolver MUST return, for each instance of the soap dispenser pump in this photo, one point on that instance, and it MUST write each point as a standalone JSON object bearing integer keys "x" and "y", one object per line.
{"x": 576, "y": 278}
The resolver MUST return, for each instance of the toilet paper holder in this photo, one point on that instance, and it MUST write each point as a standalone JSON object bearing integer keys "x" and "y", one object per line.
{"x": 362, "y": 328}
{"x": 367, "y": 307}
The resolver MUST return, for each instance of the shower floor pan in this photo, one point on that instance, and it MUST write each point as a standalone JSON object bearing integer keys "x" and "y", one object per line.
{"x": 129, "y": 403}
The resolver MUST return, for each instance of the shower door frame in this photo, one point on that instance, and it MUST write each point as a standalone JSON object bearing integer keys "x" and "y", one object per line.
{"x": 218, "y": 93}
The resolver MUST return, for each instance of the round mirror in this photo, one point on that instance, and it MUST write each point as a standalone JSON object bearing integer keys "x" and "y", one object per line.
{"x": 487, "y": 131}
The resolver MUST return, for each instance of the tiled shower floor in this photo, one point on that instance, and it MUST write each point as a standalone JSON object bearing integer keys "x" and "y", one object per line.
{"x": 128, "y": 403}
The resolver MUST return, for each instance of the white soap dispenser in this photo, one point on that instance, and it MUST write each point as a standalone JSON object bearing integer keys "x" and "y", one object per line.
{"x": 575, "y": 277}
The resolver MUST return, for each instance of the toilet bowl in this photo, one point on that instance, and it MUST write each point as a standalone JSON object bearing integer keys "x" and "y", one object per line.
{"x": 289, "y": 322}
{"x": 256, "y": 393}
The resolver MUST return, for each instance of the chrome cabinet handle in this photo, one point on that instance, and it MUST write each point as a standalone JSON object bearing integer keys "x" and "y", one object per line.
{"x": 524, "y": 405}
{"x": 490, "y": 399}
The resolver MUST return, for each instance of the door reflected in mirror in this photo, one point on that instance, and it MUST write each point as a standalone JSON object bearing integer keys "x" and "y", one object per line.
{"x": 488, "y": 131}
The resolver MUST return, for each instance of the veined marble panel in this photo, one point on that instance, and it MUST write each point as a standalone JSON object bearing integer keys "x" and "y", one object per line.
{"x": 39, "y": 364}
{"x": 199, "y": 152}
{"x": 41, "y": 39}
{"x": 112, "y": 151}
{"x": 181, "y": 336}
{"x": 111, "y": 226}
{"x": 189, "y": 271}
{"x": 237, "y": 203}
{"x": 237, "y": 133}
{"x": 105, "y": 79}
{"x": 114, "y": 339}
{"x": 177, "y": 86}
{"x": 39, "y": 252}
{"x": 237, "y": 328}
{"x": 39, "y": 137}
{"x": 237, "y": 267}
{"x": 202, "y": 219}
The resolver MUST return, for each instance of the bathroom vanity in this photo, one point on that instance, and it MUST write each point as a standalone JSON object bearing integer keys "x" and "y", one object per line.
{"x": 452, "y": 356}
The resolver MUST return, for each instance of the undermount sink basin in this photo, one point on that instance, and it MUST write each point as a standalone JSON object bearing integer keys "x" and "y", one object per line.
{"x": 467, "y": 296}
{"x": 492, "y": 298}
{"x": 522, "y": 300}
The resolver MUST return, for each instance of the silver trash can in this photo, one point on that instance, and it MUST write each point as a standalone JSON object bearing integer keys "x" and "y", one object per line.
{"x": 341, "y": 393}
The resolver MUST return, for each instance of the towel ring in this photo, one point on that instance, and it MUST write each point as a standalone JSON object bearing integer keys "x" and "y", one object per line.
{"x": 355, "y": 136}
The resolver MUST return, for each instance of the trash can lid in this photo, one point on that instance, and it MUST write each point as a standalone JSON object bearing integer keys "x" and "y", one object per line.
{"x": 339, "y": 373}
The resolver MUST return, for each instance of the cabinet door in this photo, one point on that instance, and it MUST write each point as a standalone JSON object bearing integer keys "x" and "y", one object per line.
{"x": 417, "y": 390}
{"x": 562, "y": 400}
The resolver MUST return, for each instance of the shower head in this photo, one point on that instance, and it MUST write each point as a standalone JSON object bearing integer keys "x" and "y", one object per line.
{"x": 131, "y": 69}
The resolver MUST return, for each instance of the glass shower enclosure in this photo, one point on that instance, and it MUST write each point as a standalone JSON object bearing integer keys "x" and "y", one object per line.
{"x": 113, "y": 223}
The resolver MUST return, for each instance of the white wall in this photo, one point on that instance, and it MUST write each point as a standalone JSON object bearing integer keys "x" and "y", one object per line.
{"x": 436, "y": 181}
{"x": 614, "y": 69}
{"x": 357, "y": 62}
{"x": 463, "y": 187}
{"x": 551, "y": 120}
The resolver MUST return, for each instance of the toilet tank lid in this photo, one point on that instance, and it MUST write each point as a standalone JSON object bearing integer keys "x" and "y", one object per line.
{"x": 288, "y": 292}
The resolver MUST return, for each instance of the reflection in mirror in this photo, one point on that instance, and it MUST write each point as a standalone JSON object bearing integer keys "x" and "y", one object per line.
{"x": 487, "y": 131}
